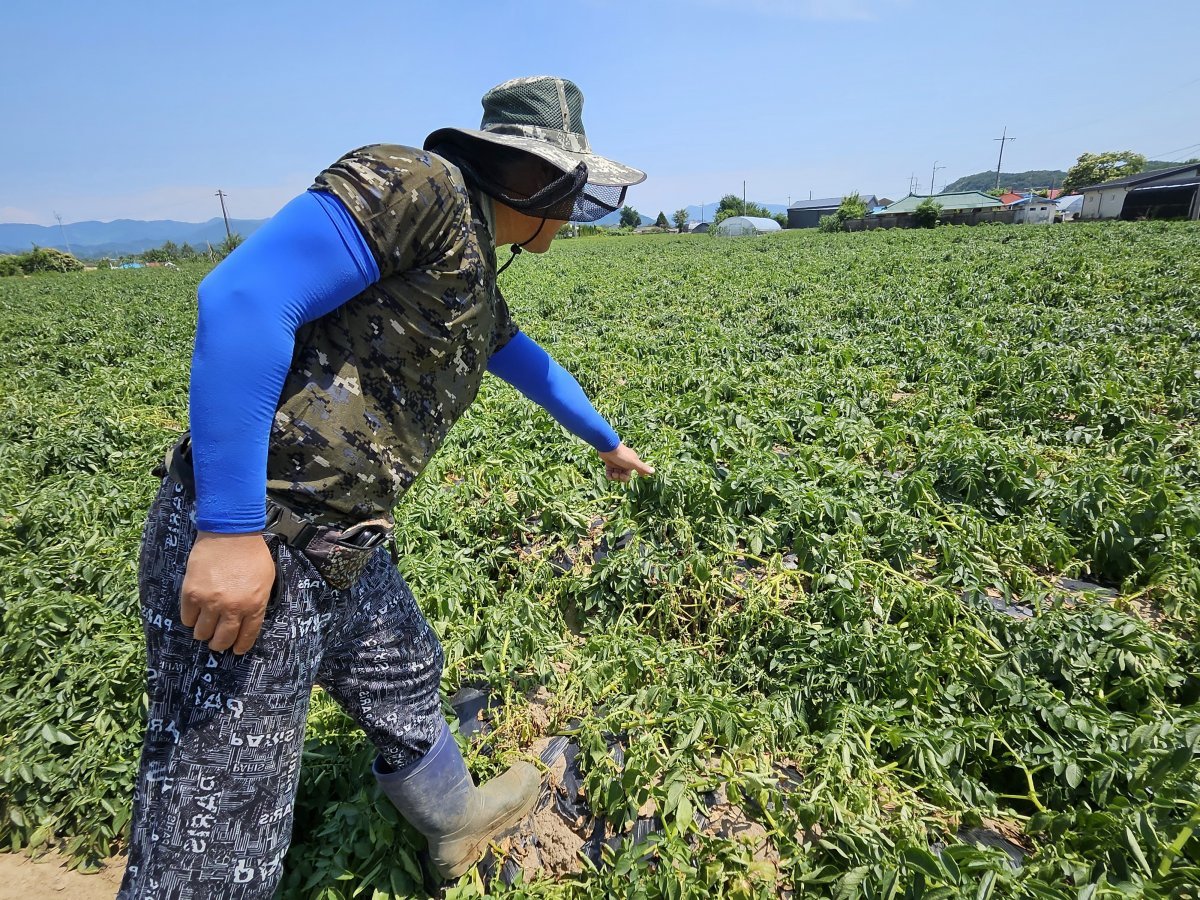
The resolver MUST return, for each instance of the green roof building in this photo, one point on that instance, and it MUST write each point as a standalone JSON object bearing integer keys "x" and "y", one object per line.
{"x": 953, "y": 202}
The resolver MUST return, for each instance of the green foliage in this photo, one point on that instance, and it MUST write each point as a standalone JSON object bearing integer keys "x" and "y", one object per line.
{"x": 1009, "y": 181}
{"x": 230, "y": 244}
{"x": 1097, "y": 168}
{"x": 680, "y": 218}
{"x": 864, "y": 446}
{"x": 927, "y": 214}
{"x": 1035, "y": 179}
{"x": 732, "y": 205}
{"x": 830, "y": 223}
{"x": 39, "y": 259}
{"x": 630, "y": 217}
{"x": 851, "y": 207}
{"x": 661, "y": 221}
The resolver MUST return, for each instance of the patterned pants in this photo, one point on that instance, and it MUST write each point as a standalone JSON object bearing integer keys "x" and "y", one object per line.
{"x": 212, "y": 814}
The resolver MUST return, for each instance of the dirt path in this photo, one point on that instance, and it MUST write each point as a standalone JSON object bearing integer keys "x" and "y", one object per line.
{"x": 24, "y": 879}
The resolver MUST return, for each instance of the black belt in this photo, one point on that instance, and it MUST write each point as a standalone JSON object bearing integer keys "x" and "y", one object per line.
{"x": 331, "y": 548}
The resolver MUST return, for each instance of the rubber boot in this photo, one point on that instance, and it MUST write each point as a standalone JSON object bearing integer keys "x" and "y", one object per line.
{"x": 436, "y": 795}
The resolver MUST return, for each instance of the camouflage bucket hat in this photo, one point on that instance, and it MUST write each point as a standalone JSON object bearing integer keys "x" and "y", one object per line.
{"x": 542, "y": 115}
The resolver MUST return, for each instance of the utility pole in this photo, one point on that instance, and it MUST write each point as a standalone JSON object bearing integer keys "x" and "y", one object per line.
{"x": 743, "y": 198}
{"x": 64, "y": 234}
{"x": 1003, "y": 139}
{"x": 224, "y": 215}
{"x": 912, "y": 180}
{"x": 933, "y": 178}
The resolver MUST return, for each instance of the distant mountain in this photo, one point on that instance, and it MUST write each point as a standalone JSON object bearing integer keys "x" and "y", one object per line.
{"x": 93, "y": 240}
{"x": 127, "y": 237}
{"x": 694, "y": 214}
{"x": 613, "y": 219}
{"x": 1153, "y": 165}
{"x": 1013, "y": 181}
{"x": 1035, "y": 178}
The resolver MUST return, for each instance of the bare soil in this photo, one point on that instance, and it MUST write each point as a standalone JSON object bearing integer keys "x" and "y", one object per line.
{"x": 546, "y": 844}
{"x": 22, "y": 878}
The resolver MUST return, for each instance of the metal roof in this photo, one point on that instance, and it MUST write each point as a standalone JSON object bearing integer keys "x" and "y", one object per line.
{"x": 830, "y": 202}
{"x": 1180, "y": 172}
{"x": 949, "y": 202}
{"x": 1032, "y": 199}
{"x": 827, "y": 203}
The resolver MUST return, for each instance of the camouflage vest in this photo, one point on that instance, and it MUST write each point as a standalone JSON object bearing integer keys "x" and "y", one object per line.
{"x": 375, "y": 385}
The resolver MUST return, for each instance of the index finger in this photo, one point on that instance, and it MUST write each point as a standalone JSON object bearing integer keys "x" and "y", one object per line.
{"x": 642, "y": 468}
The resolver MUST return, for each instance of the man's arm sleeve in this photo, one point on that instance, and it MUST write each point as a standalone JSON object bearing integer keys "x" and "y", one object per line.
{"x": 531, "y": 370}
{"x": 306, "y": 261}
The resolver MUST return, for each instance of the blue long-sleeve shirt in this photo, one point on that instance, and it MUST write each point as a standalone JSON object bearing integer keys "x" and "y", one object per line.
{"x": 304, "y": 263}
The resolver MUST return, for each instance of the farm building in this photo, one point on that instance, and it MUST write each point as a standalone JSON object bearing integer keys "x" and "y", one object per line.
{"x": 696, "y": 228}
{"x": 958, "y": 208}
{"x": 1033, "y": 210}
{"x": 736, "y": 226}
{"x": 1070, "y": 206}
{"x": 808, "y": 213}
{"x": 1165, "y": 194}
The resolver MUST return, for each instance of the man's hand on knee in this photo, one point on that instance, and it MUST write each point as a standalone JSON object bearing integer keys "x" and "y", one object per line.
{"x": 226, "y": 589}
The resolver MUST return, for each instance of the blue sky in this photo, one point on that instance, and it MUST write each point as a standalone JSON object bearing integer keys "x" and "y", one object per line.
{"x": 144, "y": 110}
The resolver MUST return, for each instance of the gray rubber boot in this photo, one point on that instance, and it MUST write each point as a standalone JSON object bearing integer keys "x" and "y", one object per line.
{"x": 436, "y": 795}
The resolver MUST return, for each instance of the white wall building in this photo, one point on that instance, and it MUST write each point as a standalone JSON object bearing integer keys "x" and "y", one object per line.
{"x": 1165, "y": 194}
{"x": 1033, "y": 210}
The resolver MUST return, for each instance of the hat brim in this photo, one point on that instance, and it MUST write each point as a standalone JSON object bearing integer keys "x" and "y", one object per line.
{"x": 601, "y": 169}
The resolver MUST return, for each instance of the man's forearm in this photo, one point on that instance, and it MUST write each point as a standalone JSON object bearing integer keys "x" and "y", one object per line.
{"x": 532, "y": 371}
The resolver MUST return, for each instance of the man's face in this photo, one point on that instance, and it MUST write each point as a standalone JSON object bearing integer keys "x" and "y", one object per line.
{"x": 544, "y": 232}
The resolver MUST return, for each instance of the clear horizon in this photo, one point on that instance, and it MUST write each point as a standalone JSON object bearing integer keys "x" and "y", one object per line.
{"x": 129, "y": 114}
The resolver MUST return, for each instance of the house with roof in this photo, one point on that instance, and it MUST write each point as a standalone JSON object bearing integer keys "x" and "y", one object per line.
{"x": 958, "y": 208}
{"x": 1165, "y": 194}
{"x": 1033, "y": 210}
{"x": 808, "y": 213}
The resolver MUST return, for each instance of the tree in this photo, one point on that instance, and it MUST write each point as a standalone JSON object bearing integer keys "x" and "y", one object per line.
{"x": 47, "y": 259}
{"x": 661, "y": 221}
{"x": 928, "y": 214}
{"x": 681, "y": 219}
{"x": 1097, "y": 168}
{"x": 852, "y": 207}
{"x": 733, "y": 205}
{"x": 630, "y": 217}
{"x": 187, "y": 251}
{"x": 230, "y": 244}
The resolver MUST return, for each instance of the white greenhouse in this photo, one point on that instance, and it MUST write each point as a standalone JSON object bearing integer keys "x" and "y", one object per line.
{"x": 736, "y": 226}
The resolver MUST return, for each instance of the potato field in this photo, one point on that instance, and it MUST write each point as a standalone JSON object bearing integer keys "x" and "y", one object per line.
{"x": 910, "y": 609}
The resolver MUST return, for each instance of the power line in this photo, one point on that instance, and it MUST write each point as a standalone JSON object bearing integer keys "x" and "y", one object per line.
{"x": 933, "y": 178}
{"x": 1174, "y": 155}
